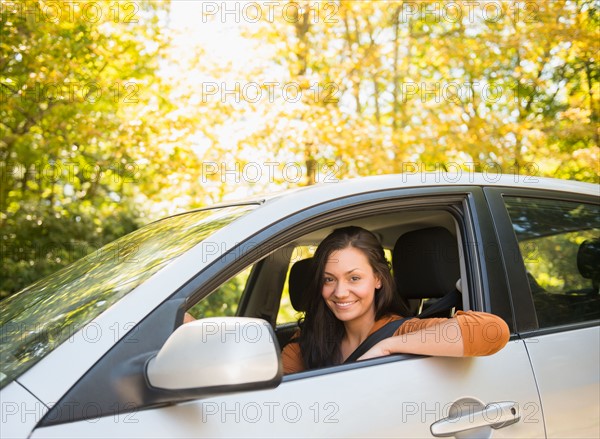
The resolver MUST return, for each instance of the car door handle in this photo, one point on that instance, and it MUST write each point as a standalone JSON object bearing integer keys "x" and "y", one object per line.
{"x": 468, "y": 415}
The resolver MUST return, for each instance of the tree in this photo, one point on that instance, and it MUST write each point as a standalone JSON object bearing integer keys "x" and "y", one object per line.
{"x": 507, "y": 86}
{"x": 77, "y": 82}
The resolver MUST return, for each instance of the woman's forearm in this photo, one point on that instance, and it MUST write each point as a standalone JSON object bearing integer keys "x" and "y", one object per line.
{"x": 443, "y": 339}
{"x": 467, "y": 334}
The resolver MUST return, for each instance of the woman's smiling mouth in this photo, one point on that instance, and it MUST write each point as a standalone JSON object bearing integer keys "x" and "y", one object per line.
{"x": 344, "y": 305}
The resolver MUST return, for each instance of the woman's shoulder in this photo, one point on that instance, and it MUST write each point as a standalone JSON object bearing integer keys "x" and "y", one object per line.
{"x": 384, "y": 320}
{"x": 390, "y": 318}
{"x": 291, "y": 356}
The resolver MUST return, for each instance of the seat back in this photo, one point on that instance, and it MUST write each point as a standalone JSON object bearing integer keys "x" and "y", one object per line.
{"x": 300, "y": 275}
{"x": 426, "y": 265}
{"x": 588, "y": 261}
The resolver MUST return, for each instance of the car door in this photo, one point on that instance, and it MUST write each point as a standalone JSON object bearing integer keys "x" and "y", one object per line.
{"x": 552, "y": 247}
{"x": 395, "y": 396}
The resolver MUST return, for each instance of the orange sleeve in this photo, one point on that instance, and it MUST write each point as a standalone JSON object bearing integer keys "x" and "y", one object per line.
{"x": 481, "y": 333}
{"x": 292, "y": 359}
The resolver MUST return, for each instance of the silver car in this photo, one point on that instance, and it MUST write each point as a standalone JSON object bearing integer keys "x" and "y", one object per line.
{"x": 99, "y": 349}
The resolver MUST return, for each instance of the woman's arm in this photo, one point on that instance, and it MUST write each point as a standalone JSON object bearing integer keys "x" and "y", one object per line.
{"x": 467, "y": 334}
{"x": 443, "y": 339}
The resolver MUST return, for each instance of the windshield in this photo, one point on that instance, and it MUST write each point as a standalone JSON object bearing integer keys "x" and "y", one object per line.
{"x": 36, "y": 320}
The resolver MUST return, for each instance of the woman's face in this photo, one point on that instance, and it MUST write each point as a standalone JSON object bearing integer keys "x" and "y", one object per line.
{"x": 349, "y": 286}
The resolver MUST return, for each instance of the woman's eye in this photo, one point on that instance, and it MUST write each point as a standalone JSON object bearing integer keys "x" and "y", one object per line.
{"x": 328, "y": 280}
{"x": 355, "y": 278}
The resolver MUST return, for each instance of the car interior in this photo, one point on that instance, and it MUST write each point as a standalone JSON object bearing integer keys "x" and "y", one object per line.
{"x": 425, "y": 257}
{"x": 581, "y": 304}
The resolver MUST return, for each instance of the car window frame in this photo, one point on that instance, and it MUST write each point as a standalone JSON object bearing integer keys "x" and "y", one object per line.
{"x": 519, "y": 289}
{"x": 484, "y": 284}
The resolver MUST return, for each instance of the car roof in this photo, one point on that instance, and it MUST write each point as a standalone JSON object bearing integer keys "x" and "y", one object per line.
{"x": 439, "y": 179}
{"x": 333, "y": 189}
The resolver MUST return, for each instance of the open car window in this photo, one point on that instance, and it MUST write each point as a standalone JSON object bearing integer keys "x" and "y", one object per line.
{"x": 287, "y": 313}
{"x": 223, "y": 301}
{"x": 264, "y": 291}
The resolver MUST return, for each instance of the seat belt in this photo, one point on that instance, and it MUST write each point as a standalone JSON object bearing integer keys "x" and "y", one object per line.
{"x": 382, "y": 333}
{"x": 445, "y": 303}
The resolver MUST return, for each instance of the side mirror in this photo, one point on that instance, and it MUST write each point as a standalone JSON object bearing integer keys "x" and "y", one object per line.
{"x": 218, "y": 354}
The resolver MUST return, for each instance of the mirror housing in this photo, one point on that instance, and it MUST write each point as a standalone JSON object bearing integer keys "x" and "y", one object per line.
{"x": 217, "y": 355}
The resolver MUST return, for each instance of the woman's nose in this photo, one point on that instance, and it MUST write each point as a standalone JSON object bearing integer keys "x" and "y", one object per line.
{"x": 341, "y": 289}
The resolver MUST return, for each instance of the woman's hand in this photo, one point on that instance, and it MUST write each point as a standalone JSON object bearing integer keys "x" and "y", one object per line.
{"x": 381, "y": 349}
{"x": 187, "y": 317}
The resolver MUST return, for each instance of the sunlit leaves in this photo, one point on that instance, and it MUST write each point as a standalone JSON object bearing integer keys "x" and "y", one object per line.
{"x": 514, "y": 84}
{"x": 76, "y": 81}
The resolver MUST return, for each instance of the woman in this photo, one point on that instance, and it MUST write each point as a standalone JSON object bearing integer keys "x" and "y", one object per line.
{"x": 352, "y": 295}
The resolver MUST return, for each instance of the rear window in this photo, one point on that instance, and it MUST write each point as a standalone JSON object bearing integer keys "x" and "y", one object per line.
{"x": 560, "y": 246}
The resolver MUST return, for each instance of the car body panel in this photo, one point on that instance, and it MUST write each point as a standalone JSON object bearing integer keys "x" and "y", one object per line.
{"x": 567, "y": 370}
{"x": 21, "y": 411}
{"x": 363, "y": 402}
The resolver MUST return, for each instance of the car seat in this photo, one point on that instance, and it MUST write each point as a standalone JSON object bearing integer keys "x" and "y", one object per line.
{"x": 588, "y": 263}
{"x": 427, "y": 270}
{"x": 300, "y": 275}
{"x": 299, "y": 278}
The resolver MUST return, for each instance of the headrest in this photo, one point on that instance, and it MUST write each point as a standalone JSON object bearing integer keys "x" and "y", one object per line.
{"x": 426, "y": 263}
{"x": 300, "y": 276}
{"x": 588, "y": 259}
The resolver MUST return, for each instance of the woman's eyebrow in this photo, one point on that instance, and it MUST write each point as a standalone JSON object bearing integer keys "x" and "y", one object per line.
{"x": 347, "y": 272}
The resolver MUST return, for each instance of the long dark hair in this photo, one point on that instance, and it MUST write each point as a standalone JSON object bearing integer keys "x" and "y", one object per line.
{"x": 321, "y": 332}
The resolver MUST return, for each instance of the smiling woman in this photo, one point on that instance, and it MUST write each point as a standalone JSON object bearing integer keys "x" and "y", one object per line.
{"x": 351, "y": 296}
